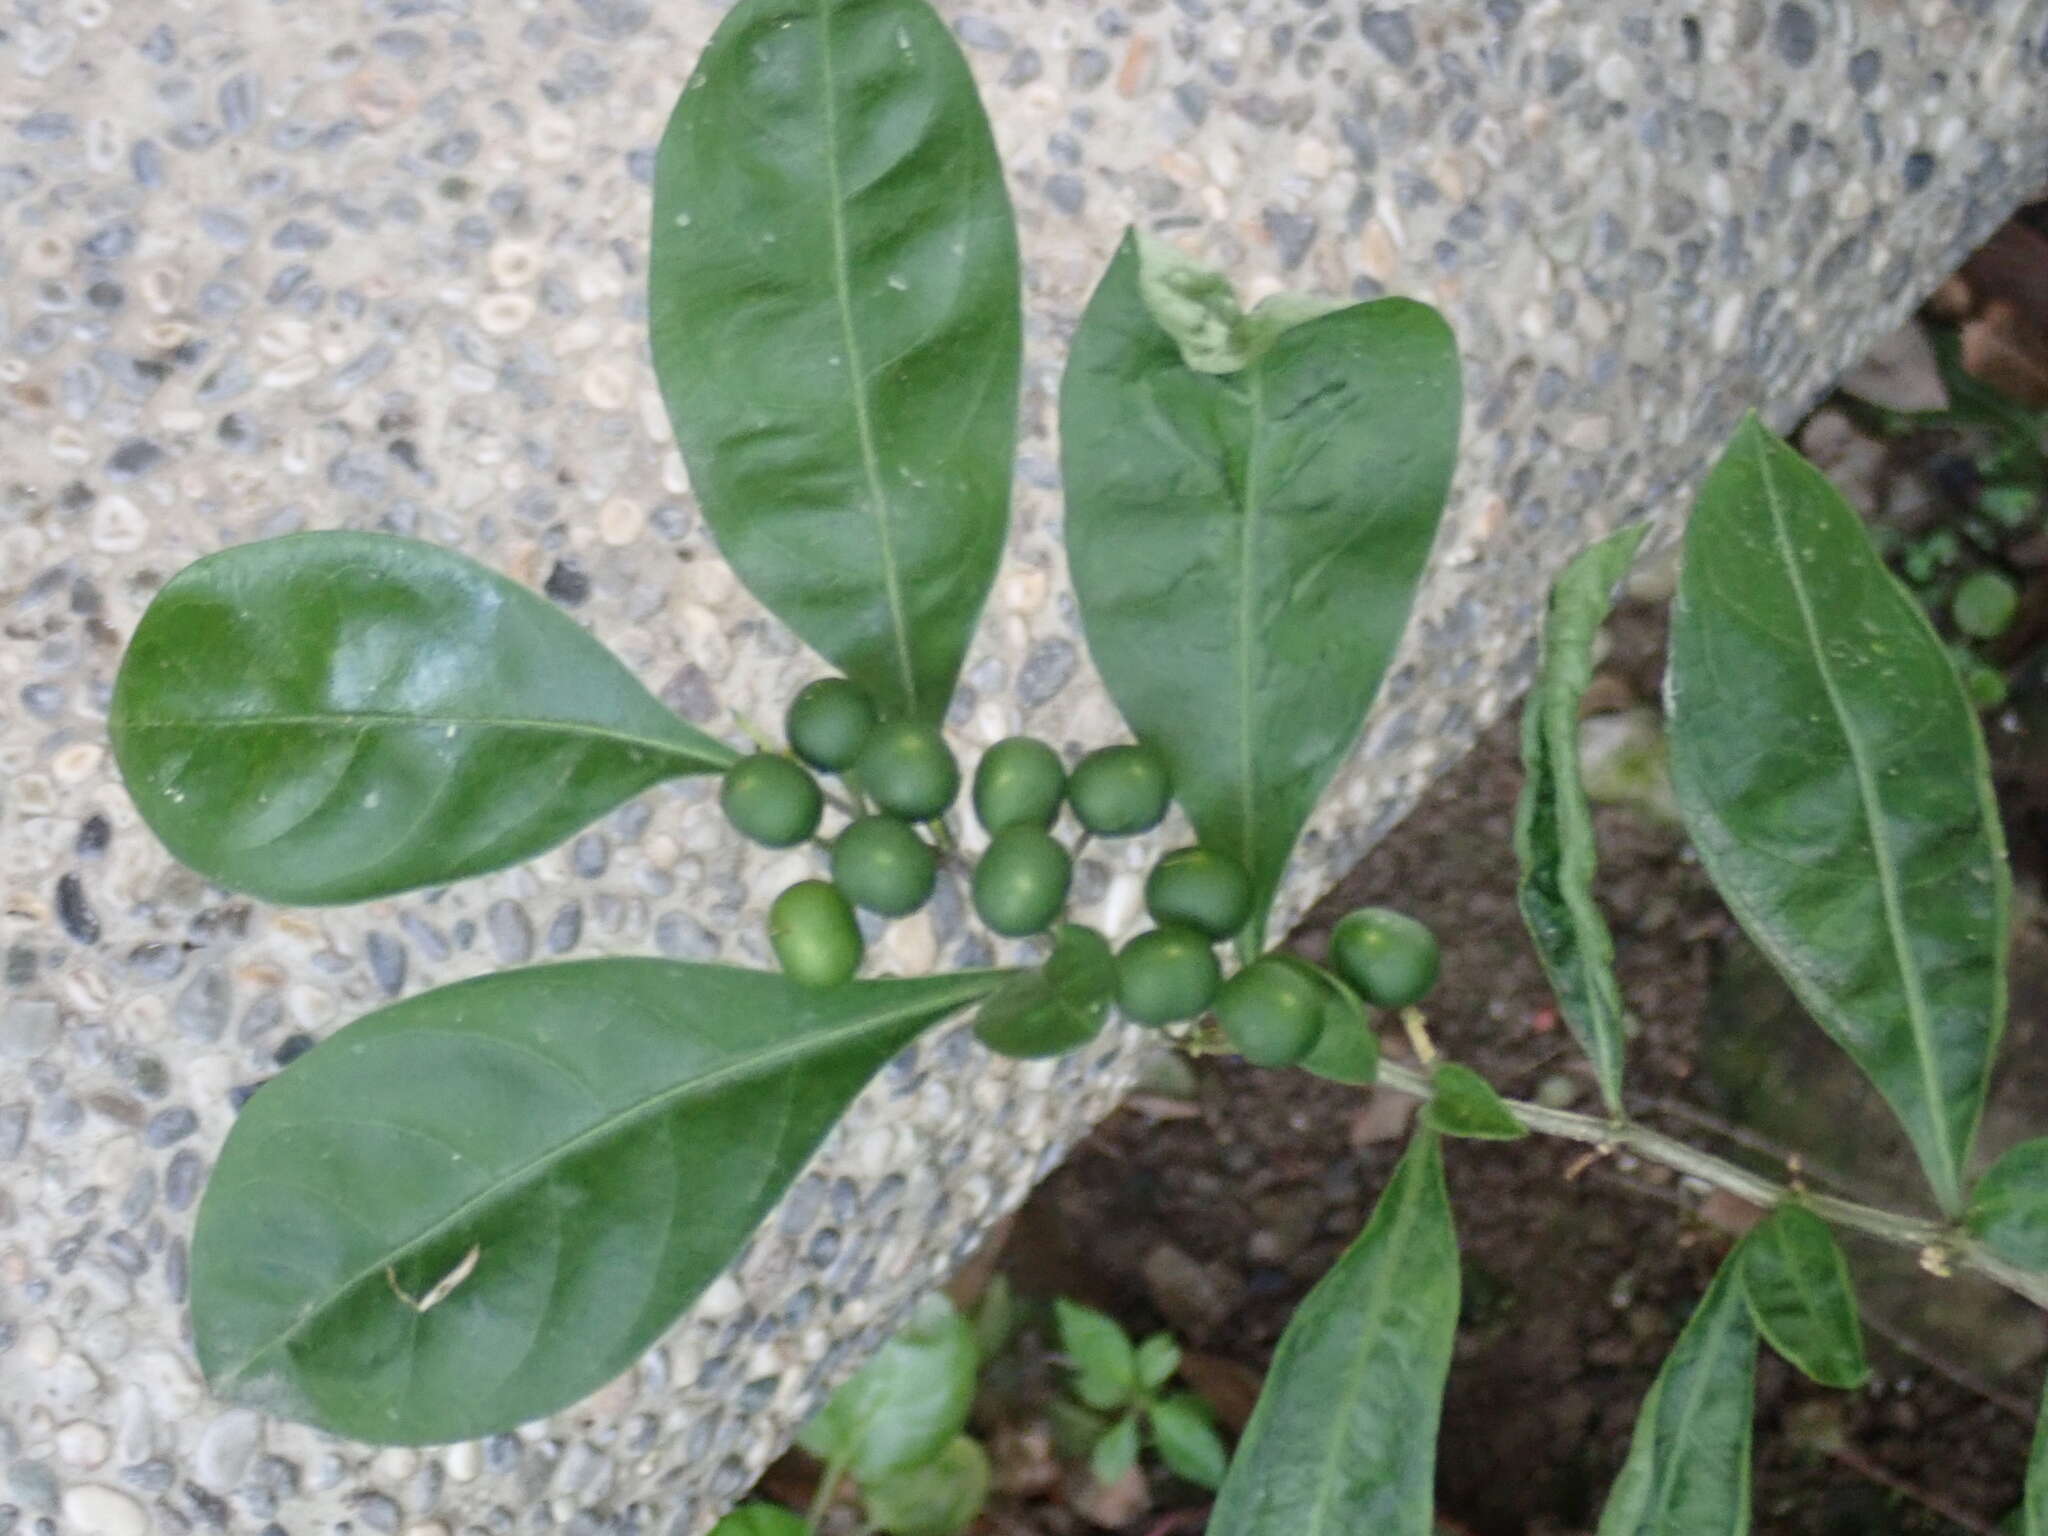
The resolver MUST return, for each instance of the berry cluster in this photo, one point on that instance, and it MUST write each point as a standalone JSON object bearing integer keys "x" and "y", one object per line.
{"x": 901, "y": 776}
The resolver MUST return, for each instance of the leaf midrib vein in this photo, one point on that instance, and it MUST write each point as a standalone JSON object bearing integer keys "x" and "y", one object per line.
{"x": 864, "y": 427}
{"x": 1887, "y": 874}
{"x": 363, "y": 720}
{"x": 1247, "y": 554}
{"x": 646, "y": 1109}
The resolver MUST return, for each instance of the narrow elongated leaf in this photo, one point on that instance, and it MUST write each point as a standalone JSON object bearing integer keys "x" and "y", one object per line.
{"x": 835, "y": 321}
{"x": 1116, "y": 1452}
{"x": 1058, "y": 1007}
{"x": 2009, "y": 1207}
{"x": 1245, "y": 546}
{"x": 337, "y": 716}
{"x": 1831, "y": 774}
{"x": 1344, "y": 1436}
{"x": 1688, "y": 1467}
{"x": 907, "y": 1404}
{"x": 475, "y": 1206}
{"x": 1187, "y": 1440}
{"x": 1554, "y": 824}
{"x": 1798, "y": 1288}
{"x": 1462, "y": 1103}
{"x": 2034, "y": 1511}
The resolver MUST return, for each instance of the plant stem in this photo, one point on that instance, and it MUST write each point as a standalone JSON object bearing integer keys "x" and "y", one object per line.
{"x": 1937, "y": 1242}
{"x": 828, "y": 1489}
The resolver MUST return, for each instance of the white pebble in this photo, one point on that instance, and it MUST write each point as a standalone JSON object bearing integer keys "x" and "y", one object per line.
{"x": 551, "y": 136}
{"x": 607, "y": 386}
{"x": 82, "y": 1444}
{"x": 173, "y": 1389}
{"x": 225, "y": 1448}
{"x": 501, "y": 314}
{"x": 76, "y": 763}
{"x": 40, "y": 1345}
{"x": 464, "y": 1461}
{"x": 91, "y": 1509}
{"x": 118, "y": 526}
{"x": 159, "y": 287}
{"x": 620, "y": 521}
{"x": 292, "y": 373}
{"x": 514, "y": 263}
{"x": 46, "y": 256}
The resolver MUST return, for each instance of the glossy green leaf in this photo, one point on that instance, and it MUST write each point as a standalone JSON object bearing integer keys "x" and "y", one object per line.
{"x": 2008, "y": 1210}
{"x": 1799, "y": 1292}
{"x": 939, "y": 1497}
{"x": 902, "y": 1408}
{"x": 1344, "y": 1436}
{"x": 2034, "y": 1511}
{"x": 474, "y": 1207}
{"x": 1187, "y": 1441}
{"x": 1348, "y": 1049}
{"x": 1245, "y": 546}
{"x": 1688, "y": 1467}
{"x": 1156, "y": 1361}
{"x": 1099, "y": 1353}
{"x": 1116, "y": 1452}
{"x": 1831, "y": 774}
{"x": 761, "y": 1520}
{"x": 835, "y": 322}
{"x": 1058, "y": 1007}
{"x": 337, "y": 716}
{"x": 1553, "y": 822}
{"x": 1462, "y": 1103}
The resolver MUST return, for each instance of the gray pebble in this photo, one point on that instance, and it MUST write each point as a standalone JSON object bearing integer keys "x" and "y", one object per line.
{"x": 160, "y": 47}
{"x": 146, "y": 163}
{"x": 181, "y": 1179}
{"x": 43, "y": 700}
{"x": 1088, "y": 68}
{"x": 156, "y": 962}
{"x": 1560, "y": 69}
{"x": 167, "y": 1127}
{"x": 1865, "y": 68}
{"x": 140, "y": 1199}
{"x": 133, "y": 459}
{"x": 16, "y": 179}
{"x": 387, "y": 961}
{"x": 376, "y": 1510}
{"x": 612, "y": 20}
{"x": 1917, "y": 169}
{"x": 1392, "y": 33}
{"x": 46, "y": 127}
{"x": 456, "y": 149}
{"x": 227, "y": 230}
{"x": 300, "y": 235}
{"x": 565, "y": 928}
{"x": 74, "y": 912}
{"x": 1795, "y": 34}
{"x": 511, "y": 932}
{"x": 681, "y": 937}
{"x": 29, "y": 1026}
{"x": 689, "y": 694}
{"x": 1293, "y": 234}
{"x": 110, "y": 242}
{"x": 1067, "y": 193}
{"x": 1045, "y": 671}
{"x": 204, "y": 1005}
{"x": 980, "y": 32}
{"x": 240, "y": 98}
{"x": 590, "y": 854}
{"x": 13, "y": 1129}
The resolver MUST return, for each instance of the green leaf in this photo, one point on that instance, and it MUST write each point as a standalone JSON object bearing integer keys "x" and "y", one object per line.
{"x": 1462, "y": 1103}
{"x": 1197, "y": 307}
{"x": 836, "y": 328}
{"x": 1348, "y": 1049}
{"x": 1245, "y": 546}
{"x": 903, "y": 1407}
{"x": 939, "y": 1497}
{"x": 1099, "y": 1353}
{"x": 2034, "y": 1511}
{"x": 1058, "y": 1007}
{"x": 1831, "y": 774}
{"x": 1187, "y": 1441}
{"x": 2008, "y": 1210}
{"x": 1553, "y": 822}
{"x": 761, "y": 1520}
{"x": 1116, "y": 1452}
{"x": 1799, "y": 1292}
{"x": 337, "y": 716}
{"x": 1344, "y": 1436}
{"x": 1157, "y": 1359}
{"x": 995, "y": 1318}
{"x": 1688, "y": 1470}
{"x": 472, "y": 1208}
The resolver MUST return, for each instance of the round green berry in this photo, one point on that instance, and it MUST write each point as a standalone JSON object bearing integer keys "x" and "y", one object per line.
{"x": 1387, "y": 956}
{"x": 815, "y": 938}
{"x": 1120, "y": 791}
{"x": 1985, "y": 604}
{"x": 1202, "y": 888}
{"x": 909, "y": 769}
{"x": 1021, "y": 882}
{"x": 828, "y": 723}
{"x": 1167, "y": 974}
{"x": 1020, "y": 782}
{"x": 881, "y": 864}
{"x": 771, "y": 799}
{"x": 1272, "y": 1011}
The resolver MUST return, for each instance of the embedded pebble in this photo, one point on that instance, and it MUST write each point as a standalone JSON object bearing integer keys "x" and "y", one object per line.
{"x": 93, "y": 1509}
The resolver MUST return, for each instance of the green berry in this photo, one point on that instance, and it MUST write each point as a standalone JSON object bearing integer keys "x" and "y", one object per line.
{"x": 771, "y": 799}
{"x": 1387, "y": 956}
{"x": 828, "y": 723}
{"x": 908, "y": 768}
{"x": 1202, "y": 888}
{"x": 815, "y": 938}
{"x": 881, "y": 864}
{"x": 1020, "y": 885}
{"x": 1120, "y": 791}
{"x": 1985, "y": 604}
{"x": 1020, "y": 782}
{"x": 1272, "y": 1011}
{"x": 1167, "y": 974}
